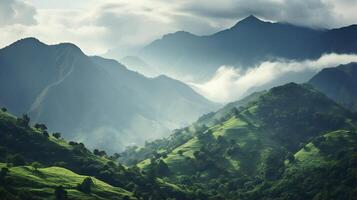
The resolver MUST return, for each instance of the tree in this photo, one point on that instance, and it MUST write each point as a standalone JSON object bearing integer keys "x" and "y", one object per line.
{"x": 36, "y": 165}
{"x": 3, "y": 172}
{"x": 115, "y": 157}
{"x": 162, "y": 169}
{"x": 24, "y": 120}
{"x": 45, "y": 133}
{"x": 41, "y": 127}
{"x": 86, "y": 185}
{"x": 180, "y": 152}
{"x": 60, "y": 193}
{"x": 56, "y": 135}
{"x": 17, "y": 160}
{"x": 99, "y": 153}
{"x": 290, "y": 157}
{"x": 4, "y": 109}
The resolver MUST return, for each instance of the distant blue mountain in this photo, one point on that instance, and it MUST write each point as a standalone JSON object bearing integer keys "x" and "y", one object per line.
{"x": 339, "y": 83}
{"x": 247, "y": 43}
{"x": 92, "y": 99}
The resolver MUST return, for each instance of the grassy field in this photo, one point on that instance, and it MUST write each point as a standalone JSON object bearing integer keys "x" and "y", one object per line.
{"x": 42, "y": 181}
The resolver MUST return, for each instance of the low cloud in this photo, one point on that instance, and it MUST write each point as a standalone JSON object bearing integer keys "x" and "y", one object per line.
{"x": 230, "y": 84}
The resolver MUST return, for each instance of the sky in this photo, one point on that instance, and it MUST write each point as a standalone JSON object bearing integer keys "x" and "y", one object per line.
{"x": 126, "y": 25}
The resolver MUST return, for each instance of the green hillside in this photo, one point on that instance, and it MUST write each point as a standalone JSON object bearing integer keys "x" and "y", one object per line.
{"x": 23, "y": 145}
{"x": 251, "y": 145}
{"x": 41, "y": 183}
{"x": 291, "y": 142}
{"x": 155, "y": 148}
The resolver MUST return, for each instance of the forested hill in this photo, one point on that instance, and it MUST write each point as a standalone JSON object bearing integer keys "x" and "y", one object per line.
{"x": 292, "y": 142}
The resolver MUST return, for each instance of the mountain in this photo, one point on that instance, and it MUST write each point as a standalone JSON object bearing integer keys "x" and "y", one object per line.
{"x": 135, "y": 63}
{"x": 339, "y": 83}
{"x": 280, "y": 145}
{"x": 213, "y": 117}
{"x": 246, "y": 44}
{"x": 92, "y": 99}
{"x": 34, "y": 164}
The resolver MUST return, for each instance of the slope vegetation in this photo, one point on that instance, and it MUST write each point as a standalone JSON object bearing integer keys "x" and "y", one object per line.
{"x": 250, "y": 153}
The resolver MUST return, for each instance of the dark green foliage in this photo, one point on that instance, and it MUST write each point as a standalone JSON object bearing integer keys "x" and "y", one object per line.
{"x": 274, "y": 165}
{"x": 24, "y": 120}
{"x": 3, "y": 173}
{"x": 36, "y": 165}
{"x": 56, "y": 135}
{"x": 99, "y": 153}
{"x": 114, "y": 157}
{"x": 255, "y": 158}
{"x": 60, "y": 193}
{"x": 45, "y": 133}
{"x": 21, "y": 145}
{"x": 3, "y": 109}
{"x": 158, "y": 168}
{"x": 86, "y": 185}
{"x": 16, "y": 160}
{"x": 41, "y": 127}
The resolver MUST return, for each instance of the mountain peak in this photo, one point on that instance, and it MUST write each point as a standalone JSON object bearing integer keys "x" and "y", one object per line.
{"x": 250, "y": 20}
{"x": 27, "y": 41}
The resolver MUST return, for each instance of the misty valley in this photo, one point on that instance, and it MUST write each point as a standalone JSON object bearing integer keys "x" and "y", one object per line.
{"x": 261, "y": 110}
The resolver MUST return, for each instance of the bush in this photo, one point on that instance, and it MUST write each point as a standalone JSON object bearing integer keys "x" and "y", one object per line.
{"x": 85, "y": 186}
{"x": 24, "y": 121}
{"x": 99, "y": 153}
{"x": 4, "y": 109}
{"x": 36, "y": 165}
{"x": 72, "y": 143}
{"x": 17, "y": 160}
{"x": 3, "y": 172}
{"x": 56, "y": 135}
{"x": 41, "y": 127}
{"x": 45, "y": 133}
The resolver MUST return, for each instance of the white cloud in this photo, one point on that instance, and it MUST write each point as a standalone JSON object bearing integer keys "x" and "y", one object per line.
{"x": 98, "y": 26}
{"x": 16, "y": 12}
{"x": 229, "y": 84}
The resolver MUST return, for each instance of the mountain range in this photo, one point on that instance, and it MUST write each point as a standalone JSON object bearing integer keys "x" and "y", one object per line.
{"x": 244, "y": 45}
{"x": 92, "y": 99}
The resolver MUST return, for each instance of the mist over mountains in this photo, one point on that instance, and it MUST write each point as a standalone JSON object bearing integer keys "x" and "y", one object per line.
{"x": 262, "y": 110}
{"x": 246, "y": 44}
{"x": 93, "y": 99}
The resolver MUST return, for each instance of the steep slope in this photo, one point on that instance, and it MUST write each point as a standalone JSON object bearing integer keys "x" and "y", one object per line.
{"x": 135, "y": 63}
{"x": 21, "y": 145}
{"x": 92, "y": 99}
{"x": 213, "y": 117}
{"x": 251, "y": 145}
{"x": 248, "y": 42}
{"x": 339, "y": 83}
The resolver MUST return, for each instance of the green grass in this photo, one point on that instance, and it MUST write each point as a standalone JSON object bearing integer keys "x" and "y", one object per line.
{"x": 42, "y": 181}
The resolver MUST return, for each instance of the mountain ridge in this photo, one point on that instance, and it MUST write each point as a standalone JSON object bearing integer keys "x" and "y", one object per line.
{"x": 101, "y": 95}
{"x": 246, "y": 44}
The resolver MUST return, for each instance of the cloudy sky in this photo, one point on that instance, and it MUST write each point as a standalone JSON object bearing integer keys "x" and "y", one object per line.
{"x": 98, "y": 26}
